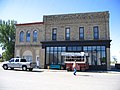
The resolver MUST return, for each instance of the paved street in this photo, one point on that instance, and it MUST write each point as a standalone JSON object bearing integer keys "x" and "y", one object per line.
{"x": 58, "y": 80}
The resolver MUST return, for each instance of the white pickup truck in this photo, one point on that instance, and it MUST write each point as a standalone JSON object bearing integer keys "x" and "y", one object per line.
{"x": 18, "y": 63}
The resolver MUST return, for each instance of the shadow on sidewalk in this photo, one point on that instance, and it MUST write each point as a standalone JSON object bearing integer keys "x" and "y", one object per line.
{"x": 113, "y": 69}
{"x": 83, "y": 75}
{"x": 27, "y": 70}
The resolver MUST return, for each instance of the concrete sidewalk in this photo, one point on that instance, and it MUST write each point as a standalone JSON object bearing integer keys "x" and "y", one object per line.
{"x": 87, "y": 72}
{"x": 44, "y": 79}
{"x": 113, "y": 70}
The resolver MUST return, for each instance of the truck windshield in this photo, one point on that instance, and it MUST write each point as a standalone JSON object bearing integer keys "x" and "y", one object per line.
{"x": 11, "y": 60}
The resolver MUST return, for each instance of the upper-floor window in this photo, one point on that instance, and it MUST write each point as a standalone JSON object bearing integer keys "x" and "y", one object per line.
{"x": 54, "y": 33}
{"x": 35, "y": 36}
{"x": 21, "y": 37}
{"x": 81, "y": 33}
{"x": 67, "y": 34}
{"x": 96, "y": 32}
{"x": 28, "y": 36}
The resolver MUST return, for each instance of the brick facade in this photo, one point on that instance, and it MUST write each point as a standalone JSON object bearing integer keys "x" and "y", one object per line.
{"x": 72, "y": 21}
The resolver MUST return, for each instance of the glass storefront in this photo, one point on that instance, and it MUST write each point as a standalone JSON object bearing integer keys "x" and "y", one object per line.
{"x": 53, "y": 55}
{"x": 97, "y": 54}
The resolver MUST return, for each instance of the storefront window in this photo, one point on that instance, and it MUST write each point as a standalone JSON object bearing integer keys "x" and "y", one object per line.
{"x": 79, "y": 48}
{"x": 74, "y": 48}
{"x": 89, "y": 48}
{"x": 85, "y": 48}
{"x": 55, "y": 49}
{"x": 59, "y": 49}
{"x": 103, "y": 58}
{"x": 47, "y": 55}
{"x": 69, "y": 48}
{"x": 53, "y": 55}
{"x": 94, "y": 48}
{"x": 63, "y": 49}
{"x": 97, "y": 55}
{"x": 98, "y": 47}
{"x": 103, "y": 47}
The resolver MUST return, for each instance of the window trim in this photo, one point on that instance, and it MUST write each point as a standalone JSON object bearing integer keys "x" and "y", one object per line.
{"x": 27, "y": 38}
{"x": 35, "y": 36}
{"x": 54, "y": 34}
{"x": 21, "y": 36}
{"x": 81, "y": 33}
{"x": 96, "y": 33}
{"x": 67, "y": 34}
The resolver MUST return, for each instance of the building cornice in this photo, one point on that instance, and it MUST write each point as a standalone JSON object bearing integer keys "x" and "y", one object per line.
{"x": 33, "y": 23}
{"x": 77, "y": 42}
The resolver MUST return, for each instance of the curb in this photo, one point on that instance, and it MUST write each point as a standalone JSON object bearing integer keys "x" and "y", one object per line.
{"x": 50, "y": 70}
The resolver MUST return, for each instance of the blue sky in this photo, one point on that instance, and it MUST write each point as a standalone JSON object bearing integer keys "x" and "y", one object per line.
{"x": 24, "y": 11}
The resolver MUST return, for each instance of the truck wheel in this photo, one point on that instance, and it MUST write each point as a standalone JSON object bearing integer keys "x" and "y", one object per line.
{"x": 30, "y": 69}
{"x": 82, "y": 69}
{"x": 5, "y": 67}
{"x": 24, "y": 68}
{"x": 68, "y": 69}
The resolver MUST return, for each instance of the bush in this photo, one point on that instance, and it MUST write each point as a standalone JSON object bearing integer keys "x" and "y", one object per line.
{"x": 1, "y": 60}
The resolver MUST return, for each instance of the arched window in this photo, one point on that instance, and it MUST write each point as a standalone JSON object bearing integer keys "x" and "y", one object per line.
{"x": 21, "y": 37}
{"x": 35, "y": 36}
{"x": 28, "y": 36}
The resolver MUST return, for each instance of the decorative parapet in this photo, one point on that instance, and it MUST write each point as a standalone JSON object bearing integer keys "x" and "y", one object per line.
{"x": 78, "y": 17}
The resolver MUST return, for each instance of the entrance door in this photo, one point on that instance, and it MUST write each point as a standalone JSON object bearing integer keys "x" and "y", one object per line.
{"x": 28, "y": 58}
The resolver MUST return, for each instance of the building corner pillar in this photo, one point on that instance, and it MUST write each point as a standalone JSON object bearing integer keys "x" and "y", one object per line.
{"x": 108, "y": 59}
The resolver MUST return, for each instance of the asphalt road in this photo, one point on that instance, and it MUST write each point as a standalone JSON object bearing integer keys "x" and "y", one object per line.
{"x": 58, "y": 80}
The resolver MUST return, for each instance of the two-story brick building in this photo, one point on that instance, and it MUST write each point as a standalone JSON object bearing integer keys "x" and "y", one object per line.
{"x": 80, "y": 32}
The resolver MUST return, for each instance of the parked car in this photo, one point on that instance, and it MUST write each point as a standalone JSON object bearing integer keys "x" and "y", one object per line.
{"x": 18, "y": 63}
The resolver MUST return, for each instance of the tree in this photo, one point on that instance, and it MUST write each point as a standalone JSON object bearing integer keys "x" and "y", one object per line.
{"x": 115, "y": 59}
{"x": 7, "y": 38}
